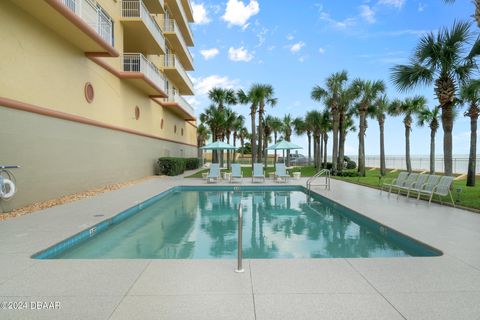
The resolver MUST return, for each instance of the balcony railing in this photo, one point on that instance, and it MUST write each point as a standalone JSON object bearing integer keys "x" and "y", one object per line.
{"x": 94, "y": 15}
{"x": 137, "y": 9}
{"x": 178, "y": 99}
{"x": 136, "y": 62}
{"x": 171, "y": 26}
{"x": 171, "y": 61}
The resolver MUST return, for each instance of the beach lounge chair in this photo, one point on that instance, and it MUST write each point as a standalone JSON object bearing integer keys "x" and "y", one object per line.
{"x": 214, "y": 173}
{"x": 236, "y": 172}
{"x": 402, "y": 176}
{"x": 421, "y": 180}
{"x": 432, "y": 181}
{"x": 258, "y": 172}
{"x": 281, "y": 173}
{"x": 442, "y": 188}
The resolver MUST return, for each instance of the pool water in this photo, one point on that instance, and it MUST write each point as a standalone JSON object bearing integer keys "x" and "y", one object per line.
{"x": 202, "y": 224}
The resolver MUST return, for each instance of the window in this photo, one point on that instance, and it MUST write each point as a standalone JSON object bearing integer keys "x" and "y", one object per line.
{"x": 137, "y": 113}
{"x": 89, "y": 92}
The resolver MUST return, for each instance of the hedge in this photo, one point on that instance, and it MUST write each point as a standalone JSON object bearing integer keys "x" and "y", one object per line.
{"x": 171, "y": 166}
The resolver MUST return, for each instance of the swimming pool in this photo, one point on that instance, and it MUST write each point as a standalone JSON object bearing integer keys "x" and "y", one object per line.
{"x": 201, "y": 223}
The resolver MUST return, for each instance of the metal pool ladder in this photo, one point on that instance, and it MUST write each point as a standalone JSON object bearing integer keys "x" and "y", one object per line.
{"x": 322, "y": 173}
{"x": 240, "y": 236}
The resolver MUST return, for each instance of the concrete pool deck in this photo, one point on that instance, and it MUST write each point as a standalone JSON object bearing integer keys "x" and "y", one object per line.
{"x": 445, "y": 287}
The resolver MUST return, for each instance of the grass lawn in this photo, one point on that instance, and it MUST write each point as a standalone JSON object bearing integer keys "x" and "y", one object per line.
{"x": 469, "y": 196}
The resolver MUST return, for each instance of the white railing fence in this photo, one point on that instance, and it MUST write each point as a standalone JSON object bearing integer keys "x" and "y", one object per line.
{"x": 170, "y": 25}
{"x": 459, "y": 164}
{"x": 136, "y": 62}
{"x": 171, "y": 61}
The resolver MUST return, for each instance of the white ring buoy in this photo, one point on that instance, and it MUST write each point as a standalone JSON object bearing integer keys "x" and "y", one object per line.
{"x": 4, "y": 194}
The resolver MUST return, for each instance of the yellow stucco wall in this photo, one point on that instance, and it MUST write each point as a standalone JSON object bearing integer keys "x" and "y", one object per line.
{"x": 41, "y": 68}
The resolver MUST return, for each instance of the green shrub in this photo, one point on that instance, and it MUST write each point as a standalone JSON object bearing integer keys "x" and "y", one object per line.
{"x": 351, "y": 164}
{"x": 347, "y": 174}
{"x": 192, "y": 163}
{"x": 171, "y": 166}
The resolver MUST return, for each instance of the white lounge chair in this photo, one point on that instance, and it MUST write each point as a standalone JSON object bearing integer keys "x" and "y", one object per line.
{"x": 428, "y": 184}
{"x": 214, "y": 173}
{"x": 258, "y": 172}
{"x": 402, "y": 176}
{"x": 441, "y": 189}
{"x": 281, "y": 173}
{"x": 412, "y": 180}
{"x": 236, "y": 172}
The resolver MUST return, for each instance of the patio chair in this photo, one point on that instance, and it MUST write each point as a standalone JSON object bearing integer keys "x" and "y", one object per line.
{"x": 258, "y": 172}
{"x": 236, "y": 172}
{"x": 432, "y": 181}
{"x": 214, "y": 173}
{"x": 412, "y": 177}
{"x": 442, "y": 188}
{"x": 281, "y": 173}
{"x": 410, "y": 183}
{"x": 402, "y": 176}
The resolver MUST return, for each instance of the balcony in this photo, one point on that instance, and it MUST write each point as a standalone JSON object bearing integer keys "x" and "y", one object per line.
{"x": 143, "y": 74}
{"x": 178, "y": 105}
{"x": 140, "y": 30}
{"x": 82, "y": 22}
{"x": 155, "y": 6}
{"x": 175, "y": 38}
{"x": 175, "y": 72}
{"x": 178, "y": 13}
{"x": 188, "y": 10}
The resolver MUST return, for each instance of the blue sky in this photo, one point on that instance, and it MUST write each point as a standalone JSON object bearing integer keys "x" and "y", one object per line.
{"x": 294, "y": 45}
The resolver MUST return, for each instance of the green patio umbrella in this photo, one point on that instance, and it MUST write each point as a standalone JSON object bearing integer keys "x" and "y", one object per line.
{"x": 218, "y": 145}
{"x": 284, "y": 145}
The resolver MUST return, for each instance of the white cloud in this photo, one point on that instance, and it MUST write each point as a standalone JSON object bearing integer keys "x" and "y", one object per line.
{"x": 209, "y": 53}
{"x": 200, "y": 14}
{"x": 421, "y": 7}
{"x": 296, "y": 47}
{"x": 367, "y": 13}
{"x": 239, "y": 54}
{"x": 302, "y": 58}
{"x": 337, "y": 24}
{"x": 203, "y": 85}
{"x": 237, "y": 13}
{"x": 393, "y": 3}
{"x": 290, "y": 37}
{"x": 321, "y": 50}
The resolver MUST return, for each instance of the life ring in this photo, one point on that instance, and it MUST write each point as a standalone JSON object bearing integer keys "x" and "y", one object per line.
{"x": 4, "y": 194}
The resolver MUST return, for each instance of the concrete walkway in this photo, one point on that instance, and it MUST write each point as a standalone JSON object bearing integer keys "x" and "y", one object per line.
{"x": 446, "y": 287}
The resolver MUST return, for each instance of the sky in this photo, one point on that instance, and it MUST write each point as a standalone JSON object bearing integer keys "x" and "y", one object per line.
{"x": 295, "y": 45}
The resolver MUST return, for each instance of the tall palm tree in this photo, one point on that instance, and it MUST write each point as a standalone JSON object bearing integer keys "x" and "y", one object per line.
{"x": 325, "y": 127}
{"x": 431, "y": 118}
{"x": 302, "y": 127}
{"x": 237, "y": 127}
{"x": 441, "y": 60}
{"x": 276, "y": 125}
{"x": 379, "y": 112}
{"x": 367, "y": 92}
{"x": 331, "y": 96}
{"x": 215, "y": 120}
{"x": 408, "y": 108}
{"x": 229, "y": 127}
{"x": 287, "y": 132}
{"x": 203, "y": 134}
{"x": 251, "y": 97}
{"x": 242, "y": 135}
{"x": 267, "y": 132}
{"x": 265, "y": 94}
{"x": 346, "y": 111}
{"x": 470, "y": 93}
{"x": 314, "y": 119}
{"x": 222, "y": 97}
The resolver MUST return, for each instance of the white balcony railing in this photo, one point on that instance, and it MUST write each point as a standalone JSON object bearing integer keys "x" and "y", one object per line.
{"x": 184, "y": 17}
{"x": 171, "y": 61}
{"x": 178, "y": 99}
{"x": 136, "y": 62}
{"x": 94, "y": 15}
{"x": 170, "y": 25}
{"x": 137, "y": 9}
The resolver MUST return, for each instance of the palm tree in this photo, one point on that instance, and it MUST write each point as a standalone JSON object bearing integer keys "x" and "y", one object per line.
{"x": 470, "y": 93}
{"x": 379, "y": 112}
{"x": 215, "y": 120}
{"x": 325, "y": 127}
{"x": 301, "y": 127}
{"x": 276, "y": 125}
{"x": 242, "y": 135}
{"x": 222, "y": 97}
{"x": 367, "y": 91}
{"x": 237, "y": 127}
{"x": 267, "y": 132}
{"x": 265, "y": 95}
{"x": 430, "y": 117}
{"x": 251, "y": 97}
{"x": 287, "y": 132}
{"x": 314, "y": 119}
{"x": 408, "y": 108}
{"x": 346, "y": 111}
{"x": 441, "y": 60}
{"x": 203, "y": 134}
{"x": 331, "y": 96}
{"x": 229, "y": 126}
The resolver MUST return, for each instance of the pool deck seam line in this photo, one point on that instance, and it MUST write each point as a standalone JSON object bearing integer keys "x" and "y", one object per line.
{"x": 251, "y": 286}
{"x": 374, "y": 288}
{"x": 130, "y": 288}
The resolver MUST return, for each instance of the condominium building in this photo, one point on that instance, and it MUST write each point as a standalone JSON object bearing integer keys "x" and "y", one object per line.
{"x": 92, "y": 92}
